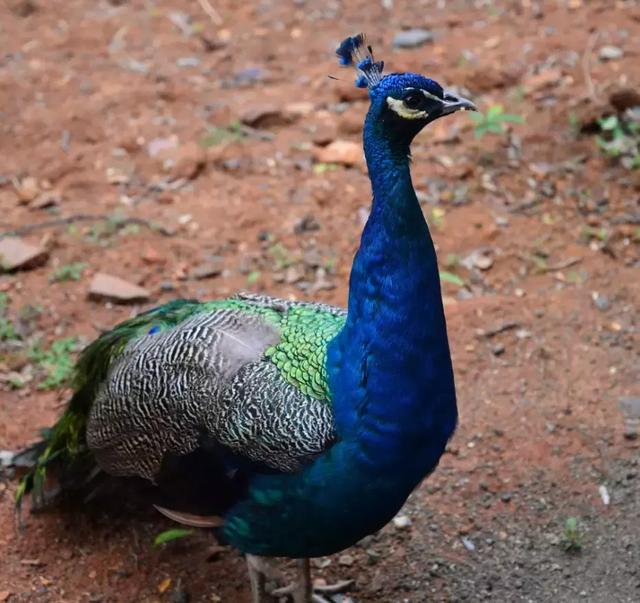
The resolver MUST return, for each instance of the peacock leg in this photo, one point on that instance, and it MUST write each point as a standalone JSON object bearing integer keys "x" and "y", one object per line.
{"x": 259, "y": 572}
{"x": 303, "y": 591}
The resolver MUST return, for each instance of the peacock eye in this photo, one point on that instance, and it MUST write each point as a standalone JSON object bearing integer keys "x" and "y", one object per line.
{"x": 413, "y": 100}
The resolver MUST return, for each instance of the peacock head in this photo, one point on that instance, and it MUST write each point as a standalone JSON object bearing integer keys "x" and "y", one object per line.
{"x": 401, "y": 103}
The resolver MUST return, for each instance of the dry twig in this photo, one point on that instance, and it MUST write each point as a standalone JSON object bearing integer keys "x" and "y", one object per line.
{"x": 586, "y": 67}
{"x": 22, "y": 230}
{"x": 212, "y": 13}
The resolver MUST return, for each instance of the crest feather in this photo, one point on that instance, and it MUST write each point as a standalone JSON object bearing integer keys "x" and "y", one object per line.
{"x": 353, "y": 51}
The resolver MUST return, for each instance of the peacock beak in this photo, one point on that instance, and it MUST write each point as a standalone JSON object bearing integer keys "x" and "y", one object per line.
{"x": 452, "y": 103}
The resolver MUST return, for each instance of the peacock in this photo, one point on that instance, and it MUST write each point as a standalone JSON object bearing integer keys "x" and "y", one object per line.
{"x": 292, "y": 429}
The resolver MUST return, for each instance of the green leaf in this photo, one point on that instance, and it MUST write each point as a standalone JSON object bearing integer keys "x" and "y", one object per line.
{"x": 321, "y": 168}
{"x": 510, "y": 117}
{"x": 171, "y": 535}
{"x": 609, "y": 123}
{"x": 67, "y": 272}
{"x": 450, "y": 277}
{"x": 221, "y": 134}
{"x": 253, "y": 277}
{"x": 57, "y": 362}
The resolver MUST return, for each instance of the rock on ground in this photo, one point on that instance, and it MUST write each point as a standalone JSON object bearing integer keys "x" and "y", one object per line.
{"x": 17, "y": 254}
{"x": 112, "y": 288}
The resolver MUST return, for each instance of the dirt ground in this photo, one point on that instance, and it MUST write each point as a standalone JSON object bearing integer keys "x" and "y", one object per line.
{"x": 209, "y": 128}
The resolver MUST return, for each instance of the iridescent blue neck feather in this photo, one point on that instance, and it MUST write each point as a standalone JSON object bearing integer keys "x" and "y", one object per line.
{"x": 396, "y": 325}
{"x": 390, "y": 378}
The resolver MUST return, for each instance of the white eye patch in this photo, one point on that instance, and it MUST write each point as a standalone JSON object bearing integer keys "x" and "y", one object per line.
{"x": 398, "y": 107}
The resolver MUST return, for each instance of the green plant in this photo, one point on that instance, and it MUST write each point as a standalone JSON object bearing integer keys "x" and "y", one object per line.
{"x": 620, "y": 139}
{"x": 171, "y": 535}
{"x": 15, "y": 381}
{"x": 437, "y": 217}
{"x": 57, "y": 362}
{"x": 571, "y": 536}
{"x": 321, "y": 168}
{"x": 589, "y": 233}
{"x": 218, "y": 134}
{"x": 7, "y": 329}
{"x": 67, "y": 272}
{"x": 493, "y": 121}
{"x": 253, "y": 277}
{"x": 450, "y": 277}
{"x": 281, "y": 256}
{"x": 104, "y": 229}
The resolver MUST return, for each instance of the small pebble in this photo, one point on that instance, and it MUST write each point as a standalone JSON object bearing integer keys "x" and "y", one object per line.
{"x": 402, "y": 522}
{"x": 188, "y": 62}
{"x": 610, "y": 53}
{"x": 498, "y": 349}
{"x": 412, "y": 38}
{"x": 346, "y": 559}
{"x": 468, "y": 544}
{"x": 600, "y": 301}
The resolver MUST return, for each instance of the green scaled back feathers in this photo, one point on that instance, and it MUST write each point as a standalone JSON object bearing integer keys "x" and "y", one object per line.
{"x": 299, "y": 356}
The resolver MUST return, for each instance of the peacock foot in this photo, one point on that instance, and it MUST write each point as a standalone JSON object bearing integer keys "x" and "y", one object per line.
{"x": 302, "y": 590}
{"x": 319, "y": 593}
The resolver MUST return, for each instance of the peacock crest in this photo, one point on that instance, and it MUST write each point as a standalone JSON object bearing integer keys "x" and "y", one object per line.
{"x": 354, "y": 51}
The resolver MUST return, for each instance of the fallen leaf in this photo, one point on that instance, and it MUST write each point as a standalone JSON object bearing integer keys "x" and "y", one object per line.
{"x": 164, "y": 586}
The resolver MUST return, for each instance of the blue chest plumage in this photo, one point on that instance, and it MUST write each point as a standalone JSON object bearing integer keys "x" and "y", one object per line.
{"x": 391, "y": 382}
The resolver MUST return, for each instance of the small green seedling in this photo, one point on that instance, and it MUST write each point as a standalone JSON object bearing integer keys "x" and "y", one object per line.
{"x": 171, "y": 535}
{"x": 281, "y": 256}
{"x": 572, "y": 538}
{"x": 68, "y": 272}
{"x": 220, "y": 134}
{"x": 589, "y": 233}
{"x": 321, "y": 168}
{"x": 57, "y": 362}
{"x": 253, "y": 277}
{"x": 450, "y": 277}
{"x": 493, "y": 121}
{"x": 7, "y": 329}
{"x": 620, "y": 139}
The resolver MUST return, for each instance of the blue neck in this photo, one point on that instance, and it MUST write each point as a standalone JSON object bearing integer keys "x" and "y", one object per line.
{"x": 391, "y": 382}
{"x": 390, "y": 367}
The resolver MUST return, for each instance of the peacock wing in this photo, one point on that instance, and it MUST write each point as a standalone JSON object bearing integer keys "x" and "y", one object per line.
{"x": 245, "y": 375}
{"x": 213, "y": 385}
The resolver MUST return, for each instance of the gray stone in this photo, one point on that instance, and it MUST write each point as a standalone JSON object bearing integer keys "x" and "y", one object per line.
{"x": 188, "y": 62}
{"x": 631, "y": 411}
{"x": 601, "y": 302}
{"x": 208, "y": 269}
{"x": 412, "y": 38}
